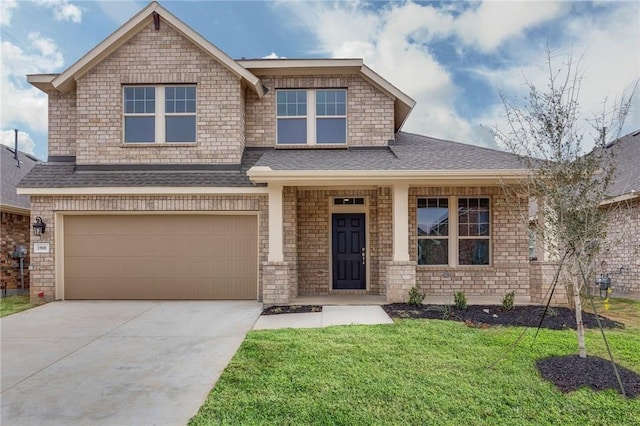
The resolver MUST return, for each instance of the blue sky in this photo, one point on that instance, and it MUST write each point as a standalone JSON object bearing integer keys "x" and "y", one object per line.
{"x": 453, "y": 58}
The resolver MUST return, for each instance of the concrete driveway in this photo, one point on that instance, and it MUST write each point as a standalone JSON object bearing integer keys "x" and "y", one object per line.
{"x": 116, "y": 363}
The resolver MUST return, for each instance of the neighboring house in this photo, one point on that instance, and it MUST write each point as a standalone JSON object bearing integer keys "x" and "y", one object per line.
{"x": 15, "y": 220}
{"x": 176, "y": 172}
{"x": 621, "y": 253}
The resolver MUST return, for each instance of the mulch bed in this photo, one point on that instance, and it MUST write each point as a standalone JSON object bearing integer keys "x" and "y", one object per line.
{"x": 557, "y": 318}
{"x": 293, "y": 309}
{"x": 571, "y": 372}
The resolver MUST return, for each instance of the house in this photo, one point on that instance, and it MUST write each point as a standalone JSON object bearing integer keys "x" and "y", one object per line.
{"x": 620, "y": 257}
{"x": 15, "y": 222}
{"x": 176, "y": 172}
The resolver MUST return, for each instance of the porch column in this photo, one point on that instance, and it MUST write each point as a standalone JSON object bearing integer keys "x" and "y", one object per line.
{"x": 401, "y": 222}
{"x": 275, "y": 271}
{"x": 400, "y": 273}
{"x": 276, "y": 252}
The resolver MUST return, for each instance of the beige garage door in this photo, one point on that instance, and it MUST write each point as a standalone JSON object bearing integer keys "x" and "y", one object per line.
{"x": 160, "y": 257}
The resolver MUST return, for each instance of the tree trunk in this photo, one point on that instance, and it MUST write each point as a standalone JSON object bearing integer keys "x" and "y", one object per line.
{"x": 582, "y": 348}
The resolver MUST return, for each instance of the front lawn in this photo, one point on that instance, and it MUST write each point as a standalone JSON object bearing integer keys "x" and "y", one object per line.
{"x": 12, "y": 304}
{"x": 412, "y": 372}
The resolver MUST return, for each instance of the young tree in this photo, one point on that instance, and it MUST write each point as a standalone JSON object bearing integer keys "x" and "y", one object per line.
{"x": 548, "y": 131}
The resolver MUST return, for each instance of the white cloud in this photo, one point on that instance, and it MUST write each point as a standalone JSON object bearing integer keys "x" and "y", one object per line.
{"x": 63, "y": 10}
{"x": 608, "y": 72}
{"x": 491, "y": 23}
{"x": 397, "y": 39}
{"x": 22, "y": 104}
{"x": 273, "y": 55}
{"x": 6, "y": 11}
{"x": 25, "y": 143}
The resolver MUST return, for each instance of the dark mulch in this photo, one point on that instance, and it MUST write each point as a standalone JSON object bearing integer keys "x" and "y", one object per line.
{"x": 571, "y": 372}
{"x": 557, "y": 318}
{"x": 293, "y": 309}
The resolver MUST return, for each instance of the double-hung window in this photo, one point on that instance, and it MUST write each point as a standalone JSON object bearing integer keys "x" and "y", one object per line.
{"x": 433, "y": 231}
{"x": 461, "y": 237}
{"x": 159, "y": 114}
{"x": 311, "y": 116}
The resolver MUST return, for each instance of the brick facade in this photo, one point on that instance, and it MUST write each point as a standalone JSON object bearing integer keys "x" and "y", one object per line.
{"x": 150, "y": 57}
{"x": 509, "y": 267}
{"x": 370, "y": 117}
{"x": 43, "y": 274}
{"x": 314, "y": 234}
{"x": 621, "y": 251}
{"x": 62, "y": 123}
{"x": 14, "y": 231}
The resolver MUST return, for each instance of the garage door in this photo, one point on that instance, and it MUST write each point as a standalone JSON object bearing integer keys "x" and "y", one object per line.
{"x": 160, "y": 257}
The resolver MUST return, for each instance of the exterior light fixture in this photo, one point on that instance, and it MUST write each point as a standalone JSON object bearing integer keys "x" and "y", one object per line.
{"x": 39, "y": 226}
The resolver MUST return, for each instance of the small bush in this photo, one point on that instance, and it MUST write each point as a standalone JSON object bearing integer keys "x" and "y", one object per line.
{"x": 416, "y": 296}
{"x": 507, "y": 301}
{"x": 460, "y": 300}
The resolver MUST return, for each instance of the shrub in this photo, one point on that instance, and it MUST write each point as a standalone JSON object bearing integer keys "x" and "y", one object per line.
{"x": 507, "y": 301}
{"x": 416, "y": 296}
{"x": 460, "y": 300}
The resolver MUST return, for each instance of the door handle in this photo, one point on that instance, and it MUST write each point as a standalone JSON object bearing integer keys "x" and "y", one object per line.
{"x": 364, "y": 256}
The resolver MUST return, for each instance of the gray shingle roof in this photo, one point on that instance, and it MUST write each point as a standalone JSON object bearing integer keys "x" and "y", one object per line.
{"x": 52, "y": 175}
{"x": 10, "y": 175}
{"x": 408, "y": 152}
{"x": 626, "y": 152}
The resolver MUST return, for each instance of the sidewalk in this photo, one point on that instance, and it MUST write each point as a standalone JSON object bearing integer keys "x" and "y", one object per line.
{"x": 330, "y": 315}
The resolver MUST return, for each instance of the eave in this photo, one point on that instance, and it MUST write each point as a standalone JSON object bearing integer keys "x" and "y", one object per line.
{"x": 262, "y": 174}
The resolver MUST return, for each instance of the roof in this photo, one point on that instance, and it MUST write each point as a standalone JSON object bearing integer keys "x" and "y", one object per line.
{"x": 10, "y": 175}
{"x": 408, "y": 152}
{"x": 411, "y": 158}
{"x": 65, "y": 175}
{"x": 626, "y": 154}
{"x": 65, "y": 81}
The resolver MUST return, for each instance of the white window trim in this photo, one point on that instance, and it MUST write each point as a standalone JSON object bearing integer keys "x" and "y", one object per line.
{"x": 453, "y": 236}
{"x": 159, "y": 116}
{"x": 311, "y": 118}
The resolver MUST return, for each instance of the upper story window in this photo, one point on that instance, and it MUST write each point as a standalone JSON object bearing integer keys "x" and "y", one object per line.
{"x": 159, "y": 114}
{"x": 311, "y": 116}
{"x": 453, "y": 239}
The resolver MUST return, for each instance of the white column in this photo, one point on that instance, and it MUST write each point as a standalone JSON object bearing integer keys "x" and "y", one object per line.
{"x": 401, "y": 222}
{"x": 276, "y": 252}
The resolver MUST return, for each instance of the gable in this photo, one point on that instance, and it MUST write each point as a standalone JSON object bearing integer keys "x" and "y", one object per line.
{"x": 157, "y": 16}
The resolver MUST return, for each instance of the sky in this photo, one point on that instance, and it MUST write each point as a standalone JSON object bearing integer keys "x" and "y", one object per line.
{"x": 454, "y": 58}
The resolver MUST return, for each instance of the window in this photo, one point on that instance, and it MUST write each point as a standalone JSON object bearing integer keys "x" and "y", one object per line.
{"x": 311, "y": 116}
{"x": 458, "y": 239}
{"x": 158, "y": 114}
{"x": 433, "y": 231}
{"x": 473, "y": 231}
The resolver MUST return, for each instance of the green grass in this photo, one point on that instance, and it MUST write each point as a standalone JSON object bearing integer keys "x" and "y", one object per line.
{"x": 411, "y": 372}
{"x": 12, "y": 304}
{"x": 626, "y": 311}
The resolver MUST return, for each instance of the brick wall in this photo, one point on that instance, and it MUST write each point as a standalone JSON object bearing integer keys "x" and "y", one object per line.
{"x": 370, "y": 118}
{"x": 313, "y": 239}
{"x": 43, "y": 273}
{"x": 509, "y": 269}
{"x": 62, "y": 123}
{"x": 155, "y": 57}
{"x": 621, "y": 251}
{"x": 14, "y": 231}
{"x": 290, "y": 236}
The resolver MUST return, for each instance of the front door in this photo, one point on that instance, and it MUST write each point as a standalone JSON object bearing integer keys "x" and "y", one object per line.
{"x": 348, "y": 251}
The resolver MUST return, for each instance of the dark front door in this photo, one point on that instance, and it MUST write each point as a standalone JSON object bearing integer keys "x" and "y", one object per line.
{"x": 348, "y": 249}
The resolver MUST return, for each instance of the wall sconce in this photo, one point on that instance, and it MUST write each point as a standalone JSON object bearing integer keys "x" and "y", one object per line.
{"x": 39, "y": 226}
